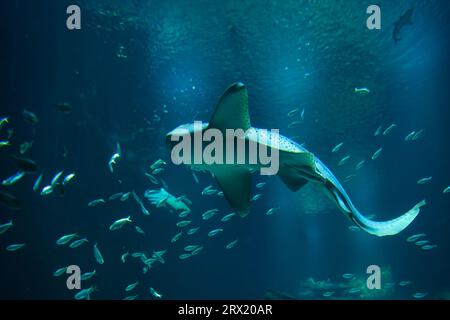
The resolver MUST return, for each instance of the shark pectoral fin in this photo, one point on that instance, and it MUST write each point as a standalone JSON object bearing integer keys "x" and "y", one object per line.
{"x": 291, "y": 180}
{"x": 232, "y": 110}
{"x": 236, "y": 186}
{"x": 298, "y": 168}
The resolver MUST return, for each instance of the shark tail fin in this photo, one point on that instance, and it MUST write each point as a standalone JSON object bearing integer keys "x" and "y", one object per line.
{"x": 377, "y": 228}
{"x": 389, "y": 227}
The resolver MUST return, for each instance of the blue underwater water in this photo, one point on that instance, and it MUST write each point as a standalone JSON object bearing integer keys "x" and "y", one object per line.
{"x": 138, "y": 69}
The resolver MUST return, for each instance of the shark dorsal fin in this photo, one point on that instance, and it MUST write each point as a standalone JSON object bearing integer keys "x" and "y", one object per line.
{"x": 232, "y": 110}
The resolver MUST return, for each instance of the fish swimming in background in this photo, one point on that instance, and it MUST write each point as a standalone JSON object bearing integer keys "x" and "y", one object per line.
{"x": 337, "y": 147}
{"x": 3, "y": 121}
{"x": 389, "y": 129}
{"x": 15, "y": 247}
{"x": 13, "y": 179}
{"x": 404, "y": 20}
{"x": 163, "y": 198}
{"x": 24, "y": 164}
{"x": 115, "y": 158}
{"x": 98, "y": 255}
{"x": 5, "y": 227}
{"x": 88, "y": 275}
{"x": 297, "y": 166}
{"x": 424, "y": 180}
{"x": 59, "y": 272}
{"x": 363, "y": 90}
{"x": 378, "y": 131}
{"x": 9, "y": 200}
{"x": 377, "y": 153}
{"x": 30, "y": 117}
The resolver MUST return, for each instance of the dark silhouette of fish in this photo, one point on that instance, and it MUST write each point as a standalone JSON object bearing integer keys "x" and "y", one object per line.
{"x": 24, "y": 164}
{"x": 9, "y": 200}
{"x": 404, "y": 20}
{"x": 30, "y": 117}
{"x": 64, "y": 107}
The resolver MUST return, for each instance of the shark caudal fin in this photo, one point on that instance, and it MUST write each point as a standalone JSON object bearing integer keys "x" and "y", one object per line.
{"x": 378, "y": 228}
{"x": 232, "y": 113}
{"x": 389, "y": 227}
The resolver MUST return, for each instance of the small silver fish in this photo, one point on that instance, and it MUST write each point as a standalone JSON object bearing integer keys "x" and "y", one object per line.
{"x": 15, "y": 247}
{"x": 139, "y": 230}
{"x": 37, "y": 183}
{"x": 446, "y": 190}
{"x": 415, "y": 237}
{"x": 155, "y": 294}
{"x": 360, "y": 164}
{"x": 294, "y": 124}
{"x": 96, "y": 202}
{"x": 124, "y": 256}
{"x": 214, "y": 232}
{"x": 377, "y": 153}
{"x": 78, "y": 243}
{"x": 59, "y": 272}
{"x": 184, "y": 223}
{"x": 197, "y": 251}
{"x": 420, "y": 295}
{"x": 417, "y": 135}
{"x": 192, "y": 230}
{"x": 46, "y": 190}
{"x": 272, "y": 211}
{"x": 228, "y": 217}
{"x": 344, "y": 160}
{"x": 421, "y": 242}
{"x": 88, "y": 275}
{"x": 378, "y": 131}
{"x": 56, "y": 178}
{"x": 260, "y": 185}
{"x": 98, "y": 255}
{"x": 176, "y": 237}
{"x": 125, "y": 196}
{"x": 195, "y": 177}
{"x": 232, "y": 244}
{"x": 85, "y": 293}
{"x": 13, "y": 179}
{"x": 184, "y": 256}
{"x": 410, "y": 136}
{"x": 362, "y": 90}
{"x": 389, "y": 129}
{"x": 404, "y": 283}
{"x": 209, "y": 214}
{"x": 256, "y": 197}
{"x": 66, "y": 239}
{"x": 429, "y": 246}
{"x": 115, "y": 196}
{"x": 424, "y": 180}
{"x": 337, "y": 147}
{"x": 209, "y": 190}
{"x": 116, "y": 225}
{"x": 130, "y": 287}
{"x": 68, "y": 178}
{"x": 292, "y": 112}
{"x": 191, "y": 247}
{"x": 5, "y": 227}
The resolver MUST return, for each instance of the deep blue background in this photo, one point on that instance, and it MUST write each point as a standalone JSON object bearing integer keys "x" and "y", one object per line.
{"x": 180, "y": 57}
